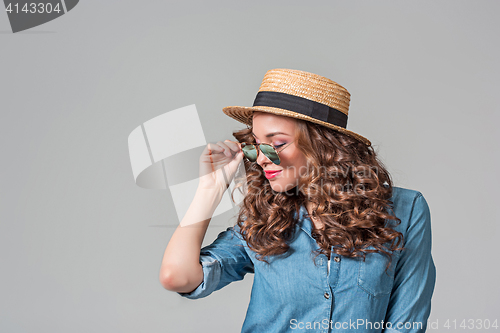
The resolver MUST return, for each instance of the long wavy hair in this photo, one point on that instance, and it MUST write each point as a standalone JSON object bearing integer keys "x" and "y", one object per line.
{"x": 345, "y": 182}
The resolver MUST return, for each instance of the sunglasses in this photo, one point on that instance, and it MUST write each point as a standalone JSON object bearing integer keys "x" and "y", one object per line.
{"x": 251, "y": 152}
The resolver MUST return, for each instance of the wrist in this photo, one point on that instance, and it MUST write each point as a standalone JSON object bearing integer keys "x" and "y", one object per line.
{"x": 202, "y": 207}
{"x": 208, "y": 198}
{"x": 210, "y": 189}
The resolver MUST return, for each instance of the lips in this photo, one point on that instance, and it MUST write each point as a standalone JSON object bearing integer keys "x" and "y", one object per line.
{"x": 272, "y": 173}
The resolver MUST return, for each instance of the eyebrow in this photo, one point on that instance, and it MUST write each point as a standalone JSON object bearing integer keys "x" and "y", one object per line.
{"x": 271, "y": 134}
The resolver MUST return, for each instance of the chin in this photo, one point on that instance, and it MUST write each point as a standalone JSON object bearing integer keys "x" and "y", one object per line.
{"x": 283, "y": 187}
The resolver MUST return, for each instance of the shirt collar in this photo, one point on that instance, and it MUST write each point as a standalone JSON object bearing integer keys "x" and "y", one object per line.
{"x": 304, "y": 222}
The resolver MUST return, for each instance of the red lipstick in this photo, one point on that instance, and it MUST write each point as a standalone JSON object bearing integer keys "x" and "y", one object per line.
{"x": 272, "y": 173}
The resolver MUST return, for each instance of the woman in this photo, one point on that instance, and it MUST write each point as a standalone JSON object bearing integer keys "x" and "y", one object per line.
{"x": 334, "y": 246}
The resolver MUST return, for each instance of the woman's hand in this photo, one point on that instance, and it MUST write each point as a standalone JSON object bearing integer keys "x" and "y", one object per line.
{"x": 218, "y": 164}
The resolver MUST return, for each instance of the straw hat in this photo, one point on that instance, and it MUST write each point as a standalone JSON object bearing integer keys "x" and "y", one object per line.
{"x": 302, "y": 95}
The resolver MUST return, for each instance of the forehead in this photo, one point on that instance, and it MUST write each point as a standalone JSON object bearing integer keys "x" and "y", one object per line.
{"x": 264, "y": 123}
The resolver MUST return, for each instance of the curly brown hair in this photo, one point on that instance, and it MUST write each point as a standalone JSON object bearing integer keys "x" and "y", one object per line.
{"x": 345, "y": 181}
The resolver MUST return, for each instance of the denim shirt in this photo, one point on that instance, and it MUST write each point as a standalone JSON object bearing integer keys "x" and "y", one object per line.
{"x": 295, "y": 294}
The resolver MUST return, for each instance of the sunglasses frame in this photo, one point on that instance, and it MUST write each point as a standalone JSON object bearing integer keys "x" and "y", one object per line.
{"x": 258, "y": 148}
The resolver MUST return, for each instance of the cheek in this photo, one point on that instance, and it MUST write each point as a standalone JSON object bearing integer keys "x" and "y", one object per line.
{"x": 295, "y": 162}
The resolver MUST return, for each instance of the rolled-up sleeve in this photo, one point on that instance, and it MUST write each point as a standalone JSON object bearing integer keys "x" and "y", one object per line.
{"x": 224, "y": 261}
{"x": 415, "y": 276}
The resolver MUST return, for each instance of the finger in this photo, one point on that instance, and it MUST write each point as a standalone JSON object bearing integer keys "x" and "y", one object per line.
{"x": 214, "y": 148}
{"x": 235, "y": 146}
{"x": 227, "y": 150}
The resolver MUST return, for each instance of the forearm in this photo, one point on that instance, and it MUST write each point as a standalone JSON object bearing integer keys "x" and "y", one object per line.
{"x": 180, "y": 269}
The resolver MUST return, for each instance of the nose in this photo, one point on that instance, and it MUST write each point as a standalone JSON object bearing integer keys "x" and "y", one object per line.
{"x": 262, "y": 159}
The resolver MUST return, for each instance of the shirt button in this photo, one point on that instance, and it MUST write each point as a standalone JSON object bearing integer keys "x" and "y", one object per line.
{"x": 337, "y": 259}
{"x": 327, "y": 296}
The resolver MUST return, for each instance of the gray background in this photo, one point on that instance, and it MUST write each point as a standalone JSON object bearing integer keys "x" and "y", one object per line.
{"x": 81, "y": 244}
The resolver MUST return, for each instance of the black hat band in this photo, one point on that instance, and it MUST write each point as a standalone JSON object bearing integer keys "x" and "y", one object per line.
{"x": 301, "y": 105}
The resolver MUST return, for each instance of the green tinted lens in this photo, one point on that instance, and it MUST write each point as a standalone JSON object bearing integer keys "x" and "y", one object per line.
{"x": 250, "y": 152}
{"x": 270, "y": 153}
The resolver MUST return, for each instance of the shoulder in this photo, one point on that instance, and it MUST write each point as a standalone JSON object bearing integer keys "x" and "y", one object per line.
{"x": 404, "y": 200}
{"x": 403, "y": 196}
{"x": 230, "y": 237}
{"x": 233, "y": 233}
{"x": 410, "y": 207}
{"x": 228, "y": 248}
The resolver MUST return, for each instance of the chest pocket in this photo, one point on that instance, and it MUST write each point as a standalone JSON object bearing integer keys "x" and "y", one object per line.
{"x": 372, "y": 276}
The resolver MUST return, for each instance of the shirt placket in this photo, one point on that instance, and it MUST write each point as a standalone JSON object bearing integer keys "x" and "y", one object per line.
{"x": 330, "y": 277}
